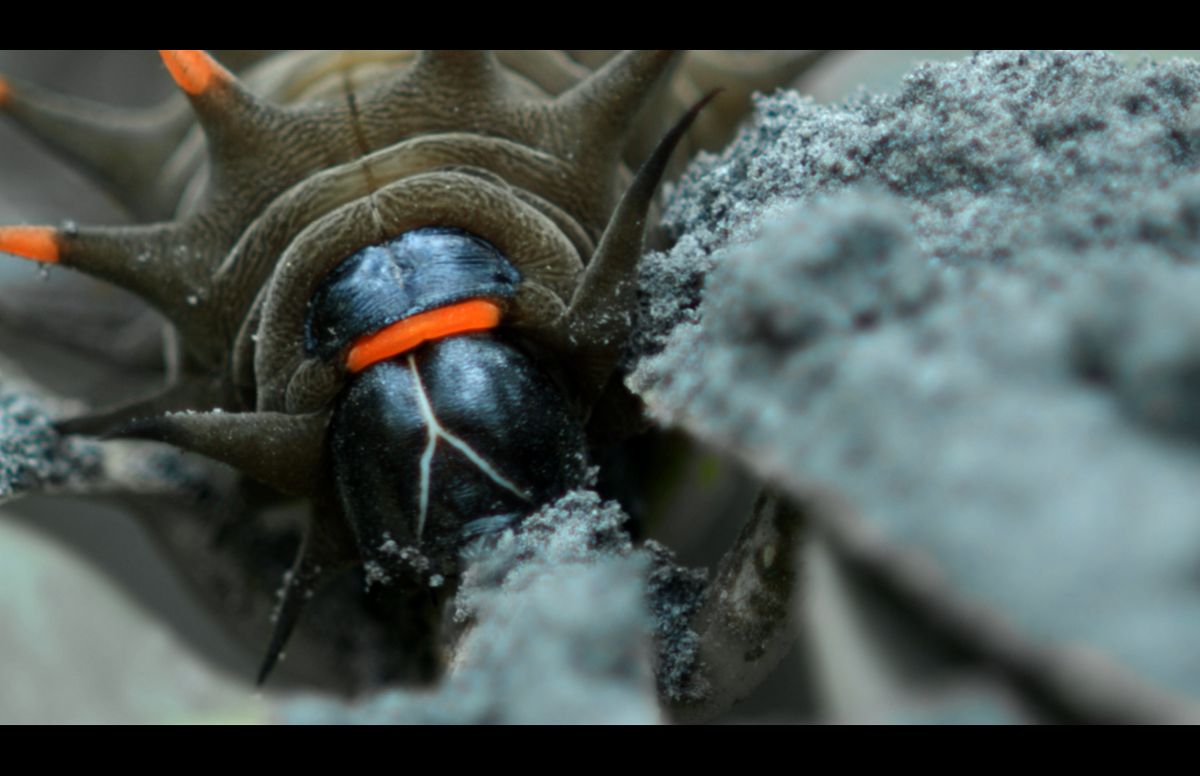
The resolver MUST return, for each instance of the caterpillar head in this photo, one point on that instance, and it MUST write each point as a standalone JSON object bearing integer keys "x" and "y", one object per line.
{"x": 312, "y": 163}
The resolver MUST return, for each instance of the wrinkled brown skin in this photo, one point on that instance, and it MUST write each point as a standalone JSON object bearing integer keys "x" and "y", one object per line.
{"x": 313, "y": 155}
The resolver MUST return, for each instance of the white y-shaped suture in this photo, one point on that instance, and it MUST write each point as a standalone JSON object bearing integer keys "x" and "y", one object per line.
{"x": 438, "y": 431}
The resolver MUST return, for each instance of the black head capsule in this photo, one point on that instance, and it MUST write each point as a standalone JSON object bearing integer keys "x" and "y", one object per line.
{"x": 419, "y": 271}
{"x": 456, "y": 437}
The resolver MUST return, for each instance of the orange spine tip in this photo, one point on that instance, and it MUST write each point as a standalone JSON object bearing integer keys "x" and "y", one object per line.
{"x": 402, "y": 336}
{"x": 193, "y": 70}
{"x": 39, "y": 243}
{"x": 5, "y": 91}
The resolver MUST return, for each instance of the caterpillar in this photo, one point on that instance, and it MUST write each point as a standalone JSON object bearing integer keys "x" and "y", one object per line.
{"x": 399, "y": 281}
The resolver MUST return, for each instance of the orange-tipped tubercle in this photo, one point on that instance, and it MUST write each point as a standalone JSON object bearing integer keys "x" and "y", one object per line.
{"x": 194, "y": 70}
{"x": 5, "y": 92}
{"x": 38, "y": 243}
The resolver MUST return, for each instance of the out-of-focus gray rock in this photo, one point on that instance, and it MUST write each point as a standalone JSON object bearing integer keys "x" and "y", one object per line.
{"x": 969, "y": 309}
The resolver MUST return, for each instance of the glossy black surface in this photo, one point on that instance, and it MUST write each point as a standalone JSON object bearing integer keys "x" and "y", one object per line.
{"x": 486, "y": 393}
{"x": 416, "y": 272}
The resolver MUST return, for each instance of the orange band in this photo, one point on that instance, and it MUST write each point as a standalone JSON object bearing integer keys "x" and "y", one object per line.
{"x": 39, "y": 243}
{"x": 5, "y": 92}
{"x": 403, "y": 336}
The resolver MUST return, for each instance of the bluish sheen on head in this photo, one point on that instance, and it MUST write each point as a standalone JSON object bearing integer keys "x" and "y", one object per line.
{"x": 416, "y": 272}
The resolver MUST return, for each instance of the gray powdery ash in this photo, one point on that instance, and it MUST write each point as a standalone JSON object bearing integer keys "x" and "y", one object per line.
{"x": 35, "y": 458}
{"x": 971, "y": 309}
{"x": 562, "y": 622}
{"x": 32, "y": 456}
